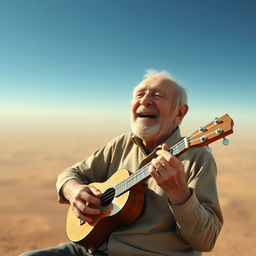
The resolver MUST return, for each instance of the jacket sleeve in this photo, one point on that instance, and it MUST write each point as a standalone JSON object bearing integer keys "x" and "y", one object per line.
{"x": 199, "y": 219}
{"x": 92, "y": 169}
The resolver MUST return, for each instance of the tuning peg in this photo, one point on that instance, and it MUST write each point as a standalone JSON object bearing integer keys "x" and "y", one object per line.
{"x": 203, "y": 138}
{"x": 208, "y": 149}
{"x": 217, "y": 120}
{"x": 225, "y": 141}
{"x": 219, "y": 131}
{"x": 202, "y": 129}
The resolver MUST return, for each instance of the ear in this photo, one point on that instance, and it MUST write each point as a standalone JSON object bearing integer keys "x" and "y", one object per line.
{"x": 182, "y": 111}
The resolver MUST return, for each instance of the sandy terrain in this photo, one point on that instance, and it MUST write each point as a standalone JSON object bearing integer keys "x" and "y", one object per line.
{"x": 31, "y": 217}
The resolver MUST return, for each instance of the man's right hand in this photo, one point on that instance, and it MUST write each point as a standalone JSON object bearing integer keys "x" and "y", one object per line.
{"x": 83, "y": 199}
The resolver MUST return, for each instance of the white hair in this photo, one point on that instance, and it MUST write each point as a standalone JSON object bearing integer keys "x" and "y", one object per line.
{"x": 182, "y": 97}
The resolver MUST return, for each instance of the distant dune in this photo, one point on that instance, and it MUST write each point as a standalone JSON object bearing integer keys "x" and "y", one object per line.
{"x": 31, "y": 217}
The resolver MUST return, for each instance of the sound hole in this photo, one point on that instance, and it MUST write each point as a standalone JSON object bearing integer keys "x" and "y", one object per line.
{"x": 107, "y": 197}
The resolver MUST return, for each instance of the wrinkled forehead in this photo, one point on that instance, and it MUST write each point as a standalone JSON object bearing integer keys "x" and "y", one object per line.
{"x": 157, "y": 83}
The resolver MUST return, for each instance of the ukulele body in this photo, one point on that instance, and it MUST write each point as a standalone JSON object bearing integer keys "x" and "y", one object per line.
{"x": 122, "y": 210}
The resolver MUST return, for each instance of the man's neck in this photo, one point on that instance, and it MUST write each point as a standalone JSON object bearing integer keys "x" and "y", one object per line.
{"x": 150, "y": 145}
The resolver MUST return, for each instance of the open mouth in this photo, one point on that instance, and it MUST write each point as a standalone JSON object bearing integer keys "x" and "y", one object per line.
{"x": 142, "y": 115}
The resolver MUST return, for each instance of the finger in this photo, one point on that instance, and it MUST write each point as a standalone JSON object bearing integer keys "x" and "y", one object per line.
{"x": 91, "y": 199}
{"x": 165, "y": 154}
{"x": 169, "y": 158}
{"x": 85, "y": 208}
{"x": 95, "y": 191}
{"x": 165, "y": 147}
{"x": 153, "y": 172}
{"x": 156, "y": 163}
{"x": 82, "y": 216}
{"x": 162, "y": 161}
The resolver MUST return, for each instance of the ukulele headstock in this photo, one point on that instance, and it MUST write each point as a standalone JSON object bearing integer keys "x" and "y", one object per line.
{"x": 215, "y": 130}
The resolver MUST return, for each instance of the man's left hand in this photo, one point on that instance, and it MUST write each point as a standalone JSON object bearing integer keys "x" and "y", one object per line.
{"x": 169, "y": 174}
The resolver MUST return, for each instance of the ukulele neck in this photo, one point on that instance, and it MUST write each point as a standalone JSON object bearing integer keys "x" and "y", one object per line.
{"x": 143, "y": 173}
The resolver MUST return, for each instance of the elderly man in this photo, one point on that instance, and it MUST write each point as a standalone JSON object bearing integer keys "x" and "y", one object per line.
{"x": 181, "y": 213}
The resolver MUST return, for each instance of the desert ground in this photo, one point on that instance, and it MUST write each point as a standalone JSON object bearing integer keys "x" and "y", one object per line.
{"x": 30, "y": 160}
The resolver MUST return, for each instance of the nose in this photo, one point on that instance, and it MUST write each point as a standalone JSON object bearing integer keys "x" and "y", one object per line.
{"x": 146, "y": 100}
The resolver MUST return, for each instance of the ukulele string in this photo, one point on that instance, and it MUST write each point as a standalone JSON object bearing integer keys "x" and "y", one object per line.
{"x": 106, "y": 197}
{"x": 141, "y": 173}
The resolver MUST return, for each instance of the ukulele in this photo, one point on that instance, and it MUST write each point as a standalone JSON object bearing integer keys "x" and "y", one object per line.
{"x": 123, "y": 194}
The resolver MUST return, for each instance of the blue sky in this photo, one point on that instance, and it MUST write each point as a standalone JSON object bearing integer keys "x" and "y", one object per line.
{"x": 64, "y": 57}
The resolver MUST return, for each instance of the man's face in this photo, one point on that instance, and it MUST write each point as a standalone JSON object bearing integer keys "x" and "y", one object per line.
{"x": 153, "y": 109}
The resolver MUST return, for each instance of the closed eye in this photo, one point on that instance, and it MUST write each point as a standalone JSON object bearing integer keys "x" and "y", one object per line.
{"x": 158, "y": 95}
{"x": 138, "y": 96}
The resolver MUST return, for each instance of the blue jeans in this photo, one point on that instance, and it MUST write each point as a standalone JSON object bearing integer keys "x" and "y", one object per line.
{"x": 64, "y": 249}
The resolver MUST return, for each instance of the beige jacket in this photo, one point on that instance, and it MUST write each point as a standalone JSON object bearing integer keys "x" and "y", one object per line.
{"x": 162, "y": 228}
